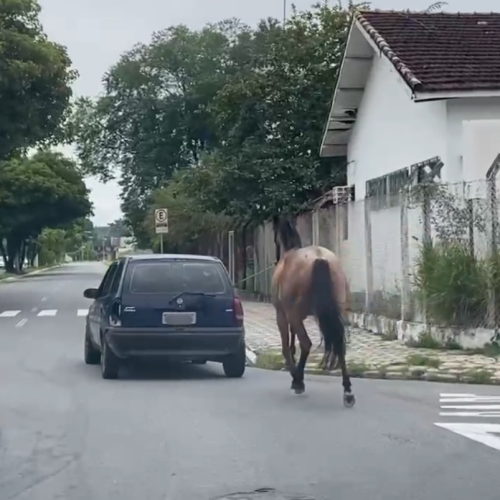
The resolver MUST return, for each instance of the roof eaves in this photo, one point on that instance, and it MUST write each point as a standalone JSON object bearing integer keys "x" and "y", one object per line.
{"x": 413, "y": 82}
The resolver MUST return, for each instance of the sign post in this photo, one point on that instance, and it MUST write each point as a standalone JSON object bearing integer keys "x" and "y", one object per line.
{"x": 161, "y": 224}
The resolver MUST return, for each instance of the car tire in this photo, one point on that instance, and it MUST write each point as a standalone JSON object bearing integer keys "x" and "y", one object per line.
{"x": 92, "y": 355}
{"x": 235, "y": 364}
{"x": 110, "y": 364}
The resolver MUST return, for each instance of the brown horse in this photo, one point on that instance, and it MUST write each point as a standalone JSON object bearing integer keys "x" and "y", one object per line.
{"x": 309, "y": 281}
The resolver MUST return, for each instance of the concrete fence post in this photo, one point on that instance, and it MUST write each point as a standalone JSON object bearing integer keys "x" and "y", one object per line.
{"x": 492, "y": 210}
{"x": 368, "y": 256}
{"x": 405, "y": 257}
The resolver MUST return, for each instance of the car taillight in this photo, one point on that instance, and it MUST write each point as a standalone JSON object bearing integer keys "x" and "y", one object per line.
{"x": 238, "y": 310}
{"x": 115, "y": 313}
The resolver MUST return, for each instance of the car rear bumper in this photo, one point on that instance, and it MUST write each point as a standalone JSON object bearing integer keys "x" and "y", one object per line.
{"x": 190, "y": 344}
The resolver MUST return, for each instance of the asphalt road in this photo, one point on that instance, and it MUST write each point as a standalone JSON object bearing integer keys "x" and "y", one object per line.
{"x": 188, "y": 433}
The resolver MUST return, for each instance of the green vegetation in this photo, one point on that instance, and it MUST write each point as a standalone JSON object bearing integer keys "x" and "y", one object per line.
{"x": 451, "y": 282}
{"x": 478, "y": 376}
{"x": 42, "y": 191}
{"x": 425, "y": 341}
{"x": 421, "y": 360}
{"x": 220, "y": 125}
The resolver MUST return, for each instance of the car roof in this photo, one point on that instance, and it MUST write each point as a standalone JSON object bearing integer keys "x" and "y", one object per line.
{"x": 172, "y": 256}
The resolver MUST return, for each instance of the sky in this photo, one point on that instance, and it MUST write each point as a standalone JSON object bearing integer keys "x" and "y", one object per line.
{"x": 97, "y": 32}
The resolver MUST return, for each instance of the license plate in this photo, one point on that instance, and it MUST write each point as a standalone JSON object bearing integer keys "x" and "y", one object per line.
{"x": 179, "y": 318}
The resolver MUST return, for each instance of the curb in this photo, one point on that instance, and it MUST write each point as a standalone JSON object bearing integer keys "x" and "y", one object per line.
{"x": 251, "y": 357}
{"x": 409, "y": 372}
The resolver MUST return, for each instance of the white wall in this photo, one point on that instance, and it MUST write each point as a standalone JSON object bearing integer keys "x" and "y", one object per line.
{"x": 473, "y": 136}
{"x": 392, "y": 131}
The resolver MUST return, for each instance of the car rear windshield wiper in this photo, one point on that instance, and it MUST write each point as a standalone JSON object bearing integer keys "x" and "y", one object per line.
{"x": 179, "y": 295}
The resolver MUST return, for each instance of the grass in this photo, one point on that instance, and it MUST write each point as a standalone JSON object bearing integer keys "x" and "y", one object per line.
{"x": 491, "y": 350}
{"x": 389, "y": 336}
{"x": 357, "y": 369}
{"x": 270, "y": 360}
{"x": 478, "y": 376}
{"x": 425, "y": 341}
{"x": 450, "y": 282}
{"x": 421, "y": 360}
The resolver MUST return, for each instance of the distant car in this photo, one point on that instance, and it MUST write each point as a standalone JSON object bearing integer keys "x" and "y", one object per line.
{"x": 181, "y": 307}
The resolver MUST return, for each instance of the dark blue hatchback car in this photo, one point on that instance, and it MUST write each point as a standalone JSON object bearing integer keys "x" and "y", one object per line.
{"x": 181, "y": 307}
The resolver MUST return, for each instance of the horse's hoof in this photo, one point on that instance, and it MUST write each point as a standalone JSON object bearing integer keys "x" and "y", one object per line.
{"x": 349, "y": 400}
{"x": 298, "y": 386}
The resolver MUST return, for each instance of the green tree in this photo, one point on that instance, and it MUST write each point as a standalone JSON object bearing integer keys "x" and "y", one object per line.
{"x": 191, "y": 230}
{"x": 232, "y": 115}
{"x": 272, "y": 114}
{"x": 35, "y": 88}
{"x": 45, "y": 190}
{"x": 154, "y": 117}
{"x": 52, "y": 246}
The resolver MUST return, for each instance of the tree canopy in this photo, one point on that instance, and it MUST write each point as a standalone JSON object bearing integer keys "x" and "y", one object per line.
{"x": 45, "y": 190}
{"x": 227, "y": 119}
{"x": 35, "y": 88}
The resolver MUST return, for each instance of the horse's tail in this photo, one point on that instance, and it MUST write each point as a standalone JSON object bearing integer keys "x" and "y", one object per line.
{"x": 326, "y": 307}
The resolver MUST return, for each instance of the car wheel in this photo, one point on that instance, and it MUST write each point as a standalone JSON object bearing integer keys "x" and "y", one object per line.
{"x": 235, "y": 364}
{"x": 110, "y": 364}
{"x": 92, "y": 355}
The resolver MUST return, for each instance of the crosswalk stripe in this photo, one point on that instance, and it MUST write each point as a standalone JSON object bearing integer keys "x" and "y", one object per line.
{"x": 469, "y": 405}
{"x": 483, "y": 414}
{"x": 81, "y": 313}
{"x": 9, "y": 314}
{"x": 47, "y": 312}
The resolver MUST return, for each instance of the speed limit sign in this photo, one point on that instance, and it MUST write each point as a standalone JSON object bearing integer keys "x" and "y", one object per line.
{"x": 161, "y": 220}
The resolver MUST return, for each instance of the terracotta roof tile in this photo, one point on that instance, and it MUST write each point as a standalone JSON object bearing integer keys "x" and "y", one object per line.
{"x": 439, "y": 51}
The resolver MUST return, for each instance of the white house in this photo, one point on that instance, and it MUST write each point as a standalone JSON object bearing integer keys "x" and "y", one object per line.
{"x": 412, "y": 86}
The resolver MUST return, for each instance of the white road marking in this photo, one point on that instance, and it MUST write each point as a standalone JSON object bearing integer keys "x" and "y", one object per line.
{"x": 481, "y": 433}
{"x": 478, "y": 399}
{"x": 21, "y": 323}
{"x": 82, "y": 312}
{"x": 455, "y": 395}
{"x": 44, "y": 299}
{"x": 470, "y": 407}
{"x": 9, "y": 314}
{"x": 489, "y": 414}
{"x": 34, "y": 310}
{"x": 48, "y": 312}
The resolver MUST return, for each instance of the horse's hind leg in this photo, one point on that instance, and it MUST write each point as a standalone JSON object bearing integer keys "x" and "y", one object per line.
{"x": 292, "y": 343}
{"x": 349, "y": 398}
{"x": 284, "y": 329}
{"x": 298, "y": 384}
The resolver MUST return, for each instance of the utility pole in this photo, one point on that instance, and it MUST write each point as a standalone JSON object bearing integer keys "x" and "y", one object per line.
{"x": 284, "y": 12}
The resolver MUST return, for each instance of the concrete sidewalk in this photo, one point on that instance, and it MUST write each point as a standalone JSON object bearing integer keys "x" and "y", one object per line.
{"x": 369, "y": 355}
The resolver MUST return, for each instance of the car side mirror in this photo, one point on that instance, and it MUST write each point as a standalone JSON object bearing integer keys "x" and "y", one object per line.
{"x": 91, "y": 293}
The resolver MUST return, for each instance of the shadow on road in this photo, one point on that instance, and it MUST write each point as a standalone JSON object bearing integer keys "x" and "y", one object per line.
{"x": 157, "y": 370}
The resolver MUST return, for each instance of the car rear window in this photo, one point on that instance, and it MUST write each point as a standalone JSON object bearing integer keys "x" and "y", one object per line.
{"x": 176, "y": 277}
